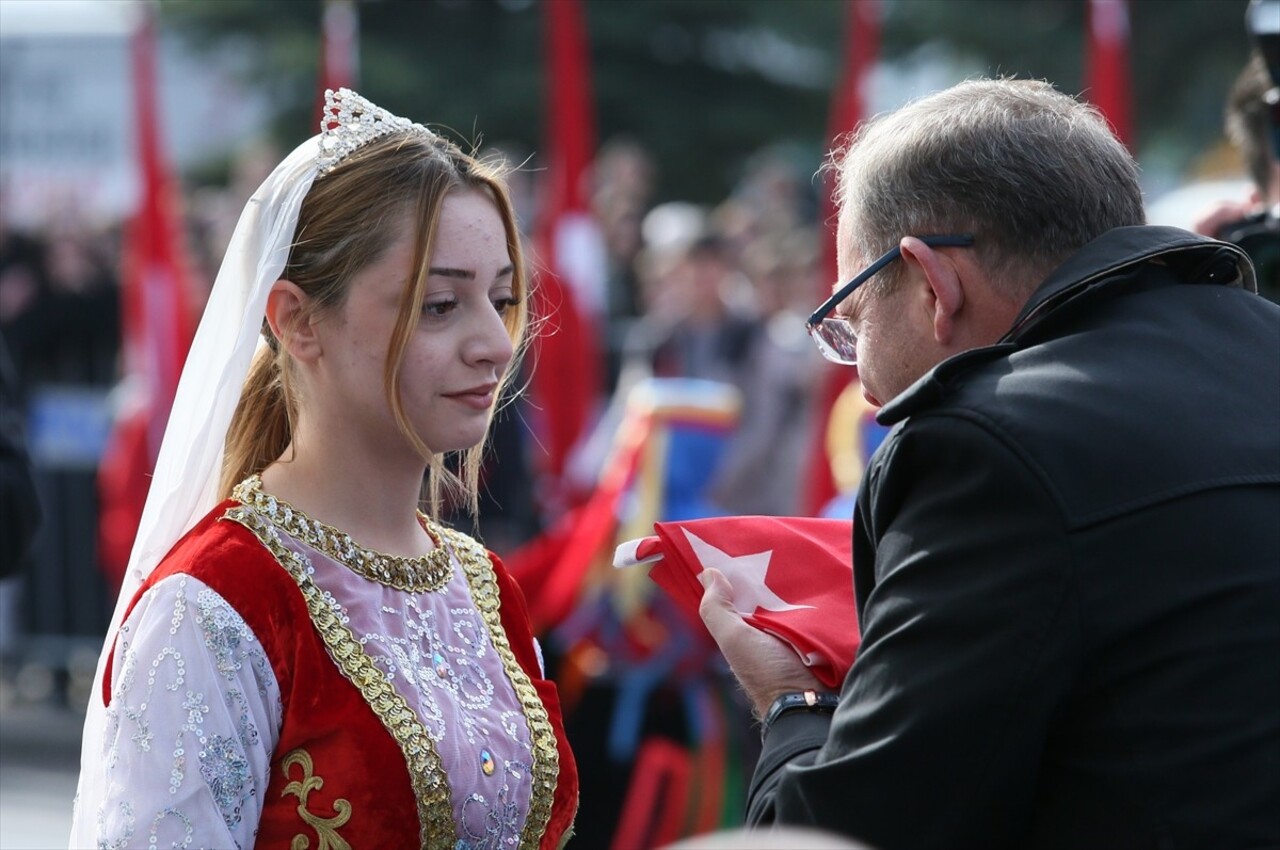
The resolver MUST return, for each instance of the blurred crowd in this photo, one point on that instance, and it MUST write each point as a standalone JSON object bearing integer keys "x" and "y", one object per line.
{"x": 720, "y": 293}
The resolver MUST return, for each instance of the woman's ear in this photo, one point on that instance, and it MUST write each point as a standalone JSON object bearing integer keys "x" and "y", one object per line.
{"x": 291, "y": 321}
{"x": 944, "y": 286}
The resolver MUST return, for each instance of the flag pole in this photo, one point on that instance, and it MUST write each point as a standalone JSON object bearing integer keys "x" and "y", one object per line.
{"x": 566, "y": 384}
{"x": 157, "y": 320}
{"x": 339, "y": 49}
{"x": 1107, "y": 77}
{"x": 848, "y": 108}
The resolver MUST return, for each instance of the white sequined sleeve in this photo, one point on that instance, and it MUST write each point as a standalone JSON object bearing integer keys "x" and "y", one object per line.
{"x": 194, "y": 717}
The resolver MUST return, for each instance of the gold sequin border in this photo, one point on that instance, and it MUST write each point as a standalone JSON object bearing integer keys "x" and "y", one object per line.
{"x": 426, "y": 574}
{"x": 426, "y": 771}
{"x": 546, "y": 757}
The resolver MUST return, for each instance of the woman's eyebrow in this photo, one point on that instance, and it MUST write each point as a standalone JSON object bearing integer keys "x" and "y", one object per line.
{"x": 464, "y": 274}
{"x": 468, "y": 274}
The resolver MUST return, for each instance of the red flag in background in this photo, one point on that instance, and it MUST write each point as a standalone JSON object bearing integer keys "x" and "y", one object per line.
{"x": 566, "y": 384}
{"x": 1107, "y": 68}
{"x": 339, "y": 48}
{"x": 848, "y": 108}
{"x": 157, "y": 325}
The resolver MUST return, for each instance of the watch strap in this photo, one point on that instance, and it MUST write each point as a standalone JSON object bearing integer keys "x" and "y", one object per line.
{"x": 809, "y": 700}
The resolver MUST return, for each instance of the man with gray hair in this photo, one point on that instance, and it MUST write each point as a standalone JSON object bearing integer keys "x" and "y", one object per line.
{"x": 1067, "y": 551}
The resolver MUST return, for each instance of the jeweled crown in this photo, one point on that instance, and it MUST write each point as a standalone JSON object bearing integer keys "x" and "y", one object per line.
{"x": 350, "y": 121}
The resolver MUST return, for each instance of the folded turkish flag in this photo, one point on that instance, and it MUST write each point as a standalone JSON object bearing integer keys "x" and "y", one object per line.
{"x": 792, "y": 577}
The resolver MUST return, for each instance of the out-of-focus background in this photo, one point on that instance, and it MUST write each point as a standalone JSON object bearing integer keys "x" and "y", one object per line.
{"x": 667, "y": 159}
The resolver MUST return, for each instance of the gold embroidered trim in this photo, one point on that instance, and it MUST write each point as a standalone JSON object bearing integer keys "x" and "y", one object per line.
{"x": 478, "y": 569}
{"x": 326, "y": 828}
{"x": 426, "y": 772}
{"x": 426, "y": 574}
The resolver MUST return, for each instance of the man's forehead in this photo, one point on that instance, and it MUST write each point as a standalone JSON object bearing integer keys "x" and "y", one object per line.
{"x": 848, "y": 262}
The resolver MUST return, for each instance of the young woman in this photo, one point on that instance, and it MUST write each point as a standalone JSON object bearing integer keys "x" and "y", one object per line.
{"x": 303, "y": 657}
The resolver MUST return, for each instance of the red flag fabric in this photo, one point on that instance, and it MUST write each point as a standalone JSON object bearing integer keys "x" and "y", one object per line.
{"x": 157, "y": 326}
{"x": 339, "y": 49}
{"x": 566, "y": 385}
{"x": 1107, "y": 70}
{"x": 848, "y": 107}
{"x": 792, "y": 577}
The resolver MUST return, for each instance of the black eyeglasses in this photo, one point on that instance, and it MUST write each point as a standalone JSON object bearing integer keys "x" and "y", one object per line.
{"x": 834, "y": 335}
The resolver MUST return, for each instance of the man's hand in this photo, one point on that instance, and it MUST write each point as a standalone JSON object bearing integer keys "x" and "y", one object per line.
{"x": 764, "y": 666}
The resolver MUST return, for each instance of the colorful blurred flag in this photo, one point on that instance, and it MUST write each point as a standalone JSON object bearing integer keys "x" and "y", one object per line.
{"x": 628, "y": 660}
{"x": 157, "y": 325}
{"x": 671, "y": 438}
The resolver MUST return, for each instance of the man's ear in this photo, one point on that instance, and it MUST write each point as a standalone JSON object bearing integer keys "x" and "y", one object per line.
{"x": 943, "y": 293}
{"x": 290, "y": 320}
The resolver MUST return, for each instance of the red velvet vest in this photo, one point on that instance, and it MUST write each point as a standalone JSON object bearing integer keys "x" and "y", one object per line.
{"x": 347, "y": 771}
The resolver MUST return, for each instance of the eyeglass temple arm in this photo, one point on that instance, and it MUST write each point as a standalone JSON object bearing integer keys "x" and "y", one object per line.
{"x": 958, "y": 241}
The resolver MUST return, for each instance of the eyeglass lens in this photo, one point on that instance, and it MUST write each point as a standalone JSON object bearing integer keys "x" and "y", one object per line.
{"x": 836, "y": 340}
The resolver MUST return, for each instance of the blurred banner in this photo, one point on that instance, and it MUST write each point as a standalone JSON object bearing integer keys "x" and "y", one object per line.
{"x": 63, "y": 91}
{"x": 67, "y": 138}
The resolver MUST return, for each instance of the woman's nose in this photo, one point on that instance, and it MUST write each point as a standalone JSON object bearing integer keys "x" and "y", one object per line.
{"x": 490, "y": 343}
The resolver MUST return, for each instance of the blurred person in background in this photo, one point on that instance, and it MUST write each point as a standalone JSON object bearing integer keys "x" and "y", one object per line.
{"x": 61, "y": 307}
{"x": 22, "y": 278}
{"x": 623, "y": 185}
{"x": 762, "y": 468}
{"x": 315, "y": 659}
{"x": 1066, "y": 564}
{"x": 1253, "y": 223}
{"x": 21, "y": 284}
{"x": 19, "y": 506}
{"x": 771, "y": 198}
{"x": 712, "y": 334}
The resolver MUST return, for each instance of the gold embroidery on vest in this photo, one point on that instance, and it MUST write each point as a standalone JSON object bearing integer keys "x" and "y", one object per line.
{"x": 426, "y": 771}
{"x": 478, "y": 569}
{"x": 326, "y": 828}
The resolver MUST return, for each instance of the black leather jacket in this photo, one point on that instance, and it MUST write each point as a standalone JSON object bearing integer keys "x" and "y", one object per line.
{"x": 1067, "y": 568}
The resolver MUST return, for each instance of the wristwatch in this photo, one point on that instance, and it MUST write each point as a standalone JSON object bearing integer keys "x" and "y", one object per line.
{"x": 809, "y": 700}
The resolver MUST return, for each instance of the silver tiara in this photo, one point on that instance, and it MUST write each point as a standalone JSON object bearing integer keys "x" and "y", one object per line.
{"x": 350, "y": 121}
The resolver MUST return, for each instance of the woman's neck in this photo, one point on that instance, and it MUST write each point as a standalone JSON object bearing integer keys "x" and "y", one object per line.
{"x": 371, "y": 499}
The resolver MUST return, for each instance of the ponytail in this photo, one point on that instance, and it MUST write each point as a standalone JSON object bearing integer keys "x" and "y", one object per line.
{"x": 261, "y": 426}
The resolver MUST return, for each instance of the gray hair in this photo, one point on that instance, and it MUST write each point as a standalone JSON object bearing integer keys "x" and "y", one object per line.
{"x": 1032, "y": 173}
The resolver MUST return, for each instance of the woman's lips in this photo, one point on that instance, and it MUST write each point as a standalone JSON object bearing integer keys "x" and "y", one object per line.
{"x": 479, "y": 398}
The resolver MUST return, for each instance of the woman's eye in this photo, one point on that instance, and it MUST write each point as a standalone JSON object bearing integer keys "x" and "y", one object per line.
{"x": 505, "y": 305}
{"x": 439, "y": 308}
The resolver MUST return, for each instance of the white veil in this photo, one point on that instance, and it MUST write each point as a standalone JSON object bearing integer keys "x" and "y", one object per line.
{"x": 185, "y": 484}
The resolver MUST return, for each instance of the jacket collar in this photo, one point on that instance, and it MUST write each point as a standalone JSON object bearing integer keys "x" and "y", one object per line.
{"x": 1119, "y": 249}
{"x": 1094, "y": 266}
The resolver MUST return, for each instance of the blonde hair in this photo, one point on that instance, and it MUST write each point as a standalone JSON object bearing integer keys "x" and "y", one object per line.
{"x": 345, "y": 224}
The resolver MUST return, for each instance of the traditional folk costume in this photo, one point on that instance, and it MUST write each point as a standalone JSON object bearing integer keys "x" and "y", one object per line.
{"x": 268, "y": 680}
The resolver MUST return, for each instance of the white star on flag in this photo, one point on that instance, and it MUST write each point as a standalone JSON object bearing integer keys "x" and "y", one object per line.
{"x": 745, "y": 572}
